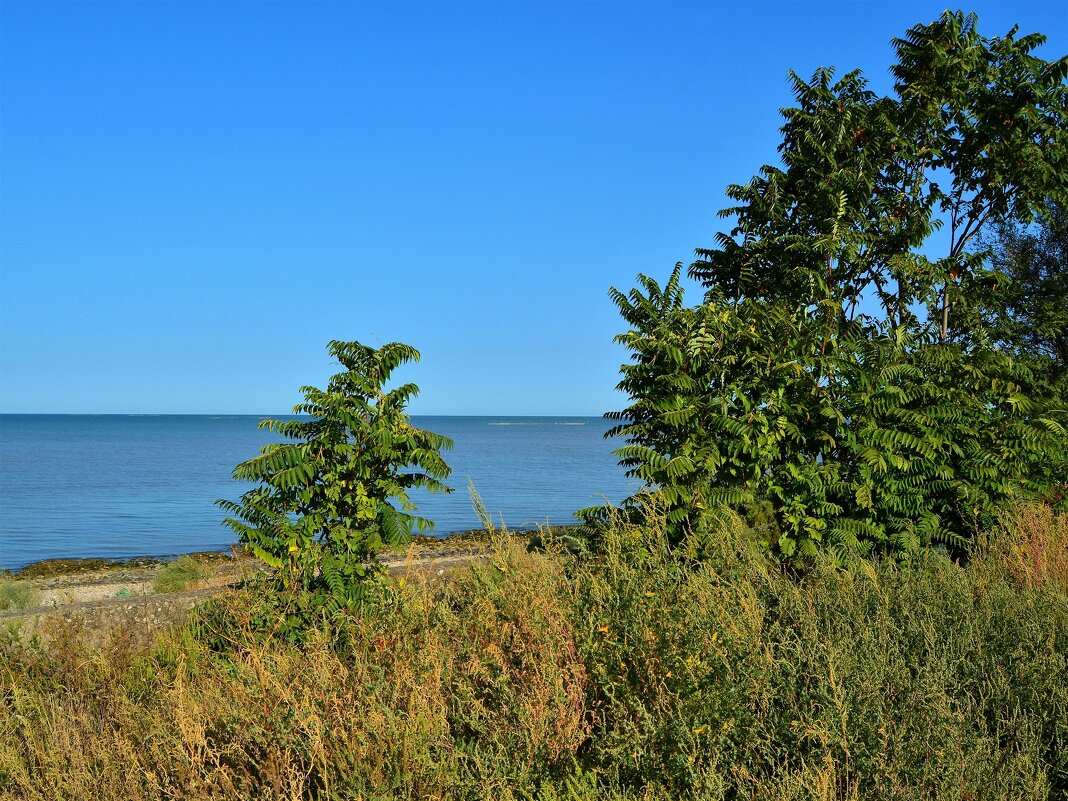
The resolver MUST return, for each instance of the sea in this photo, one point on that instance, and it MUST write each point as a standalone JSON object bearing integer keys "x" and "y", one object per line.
{"x": 121, "y": 486}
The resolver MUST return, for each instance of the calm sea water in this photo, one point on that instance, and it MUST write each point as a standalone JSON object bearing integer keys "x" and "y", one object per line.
{"x": 117, "y": 486}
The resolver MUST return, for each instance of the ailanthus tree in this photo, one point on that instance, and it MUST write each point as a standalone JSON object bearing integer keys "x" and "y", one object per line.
{"x": 328, "y": 498}
{"x": 823, "y": 383}
{"x": 1019, "y": 300}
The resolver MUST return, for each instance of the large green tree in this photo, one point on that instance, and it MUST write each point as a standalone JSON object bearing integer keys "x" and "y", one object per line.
{"x": 823, "y": 380}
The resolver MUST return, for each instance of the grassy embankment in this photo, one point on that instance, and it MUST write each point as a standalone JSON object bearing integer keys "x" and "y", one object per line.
{"x": 635, "y": 674}
{"x": 57, "y": 583}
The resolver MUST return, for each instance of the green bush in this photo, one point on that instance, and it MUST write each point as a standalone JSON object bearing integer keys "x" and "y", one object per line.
{"x": 176, "y": 576}
{"x": 16, "y": 594}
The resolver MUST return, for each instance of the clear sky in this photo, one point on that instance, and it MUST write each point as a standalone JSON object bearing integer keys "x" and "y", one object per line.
{"x": 196, "y": 197}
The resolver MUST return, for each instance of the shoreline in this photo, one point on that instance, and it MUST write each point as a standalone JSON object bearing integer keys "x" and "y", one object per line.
{"x": 141, "y": 591}
{"x": 79, "y": 565}
{"x": 100, "y": 597}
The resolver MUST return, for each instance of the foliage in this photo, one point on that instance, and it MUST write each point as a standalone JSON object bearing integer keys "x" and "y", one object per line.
{"x": 1020, "y": 299}
{"x": 176, "y": 576}
{"x": 868, "y": 679}
{"x": 633, "y": 674}
{"x": 811, "y": 383}
{"x": 16, "y": 594}
{"x": 328, "y": 499}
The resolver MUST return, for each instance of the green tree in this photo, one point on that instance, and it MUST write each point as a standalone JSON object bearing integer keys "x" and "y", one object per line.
{"x": 1019, "y": 301}
{"x": 326, "y": 500}
{"x": 823, "y": 379}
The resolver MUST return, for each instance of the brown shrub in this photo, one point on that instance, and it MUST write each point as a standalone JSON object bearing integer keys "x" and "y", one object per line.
{"x": 1033, "y": 544}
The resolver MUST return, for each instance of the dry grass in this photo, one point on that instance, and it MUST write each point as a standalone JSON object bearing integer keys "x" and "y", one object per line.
{"x": 1033, "y": 544}
{"x": 632, "y": 674}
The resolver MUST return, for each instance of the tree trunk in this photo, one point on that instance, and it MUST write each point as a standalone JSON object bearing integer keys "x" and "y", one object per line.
{"x": 944, "y": 330}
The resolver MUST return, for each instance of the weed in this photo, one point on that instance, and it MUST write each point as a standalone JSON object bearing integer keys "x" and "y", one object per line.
{"x": 16, "y": 594}
{"x": 1033, "y": 544}
{"x": 178, "y": 575}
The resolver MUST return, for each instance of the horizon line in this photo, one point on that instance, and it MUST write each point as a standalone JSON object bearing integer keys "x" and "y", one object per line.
{"x": 255, "y": 414}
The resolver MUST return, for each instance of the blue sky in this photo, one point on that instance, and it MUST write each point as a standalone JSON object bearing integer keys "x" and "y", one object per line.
{"x": 196, "y": 197}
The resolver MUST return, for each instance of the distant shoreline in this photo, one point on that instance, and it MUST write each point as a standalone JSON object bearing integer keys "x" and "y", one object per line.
{"x": 283, "y": 415}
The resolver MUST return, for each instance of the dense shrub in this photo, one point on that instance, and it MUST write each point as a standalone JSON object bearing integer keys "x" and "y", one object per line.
{"x": 179, "y": 575}
{"x": 16, "y": 594}
{"x": 927, "y": 680}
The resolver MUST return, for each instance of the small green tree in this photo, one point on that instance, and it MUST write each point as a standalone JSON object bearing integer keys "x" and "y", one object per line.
{"x": 329, "y": 498}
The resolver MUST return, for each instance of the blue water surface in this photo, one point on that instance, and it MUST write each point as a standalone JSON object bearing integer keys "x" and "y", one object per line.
{"x": 132, "y": 485}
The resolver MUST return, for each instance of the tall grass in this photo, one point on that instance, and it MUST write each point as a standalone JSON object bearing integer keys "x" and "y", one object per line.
{"x": 634, "y": 673}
